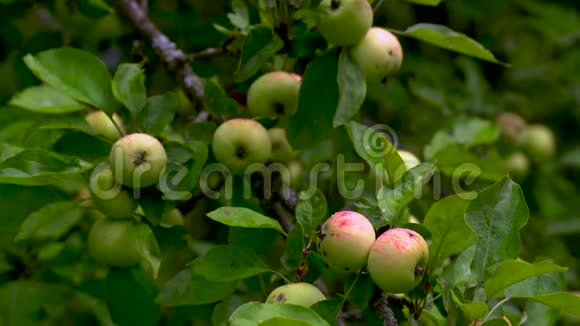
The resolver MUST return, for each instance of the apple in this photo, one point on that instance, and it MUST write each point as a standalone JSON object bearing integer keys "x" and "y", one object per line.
{"x": 104, "y": 126}
{"x": 281, "y": 149}
{"x": 138, "y": 160}
{"x": 345, "y": 22}
{"x": 274, "y": 94}
{"x": 346, "y": 240}
{"x": 108, "y": 196}
{"x": 301, "y": 294}
{"x": 409, "y": 158}
{"x": 114, "y": 243}
{"x": 540, "y": 142}
{"x": 239, "y": 142}
{"x": 379, "y": 54}
{"x": 397, "y": 260}
{"x": 512, "y": 127}
{"x": 517, "y": 165}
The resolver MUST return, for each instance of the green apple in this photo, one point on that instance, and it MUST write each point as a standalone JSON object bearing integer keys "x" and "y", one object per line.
{"x": 409, "y": 158}
{"x": 517, "y": 165}
{"x": 346, "y": 240}
{"x": 103, "y": 125}
{"x": 273, "y": 95}
{"x": 138, "y": 160}
{"x": 540, "y": 142}
{"x": 237, "y": 143}
{"x": 379, "y": 54}
{"x": 281, "y": 150}
{"x": 301, "y": 294}
{"x": 108, "y": 196}
{"x": 114, "y": 243}
{"x": 512, "y": 127}
{"x": 345, "y": 22}
{"x": 397, "y": 260}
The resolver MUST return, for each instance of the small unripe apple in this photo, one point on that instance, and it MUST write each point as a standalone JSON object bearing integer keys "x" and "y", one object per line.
{"x": 397, "y": 260}
{"x": 540, "y": 142}
{"x": 281, "y": 149}
{"x": 379, "y": 54}
{"x": 108, "y": 196}
{"x": 517, "y": 165}
{"x": 104, "y": 126}
{"x": 239, "y": 142}
{"x": 138, "y": 160}
{"x": 114, "y": 243}
{"x": 409, "y": 158}
{"x": 347, "y": 238}
{"x": 345, "y": 22}
{"x": 512, "y": 127}
{"x": 301, "y": 294}
{"x": 274, "y": 94}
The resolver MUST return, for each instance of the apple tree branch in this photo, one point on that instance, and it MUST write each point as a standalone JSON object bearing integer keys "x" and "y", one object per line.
{"x": 175, "y": 59}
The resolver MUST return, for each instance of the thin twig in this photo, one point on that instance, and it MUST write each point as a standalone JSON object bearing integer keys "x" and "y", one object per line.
{"x": 283, "y": 217}
{"x": 207, "y": 53}
{"x": 175, "y": 59}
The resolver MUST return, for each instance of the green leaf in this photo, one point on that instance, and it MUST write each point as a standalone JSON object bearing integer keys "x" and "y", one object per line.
{"x": 217, "y": 102}
{"x": 51, "y": 221}
{"x": 94, "y": 8}
{"x": 245, "y": 218}
{"x": 229, "y": 263}
{"x": 449, "y": 232}
{"x": 292, "y": 256}
{"x": 40, "y": 167}
{"x": 13, "y": 212}
{"x": 77, "y": 73}
{"x": 426, "y": 2}
{"x": 496, "y": 322}
{"x": 190, "y": 288}
{"x": 129, "y": 86}
{"x": 223, "y": 310}
{"x": 393, "y": 200}
{"x": 473, "y": 310}
{"x": 459, "y": 162}
{"x": 446, "y": 38}
{"x": 149, "y": 249}
{"x": 253, "y": 313}
{"x": 129, "y": 294}
{"x": 317, "y": 103}
{"x": 310, "y": 212}
{"x": 158, "y": 113}
{"x": 353, "y": 88}
{"x": 539, "y": 285}
{"x": 328, "y": 309}
{"x": 22, "y": 302}
{"x": 240, "y": 17}
{"x": 182, "y": 173}
{"x": 513, "y": 271}
{"x": 259, "y": 46}
{"x": 45, "y": 99}
{"x": 373, "y": 146}
{"x": 565, "y": 302}
{"x": 467, "y": 132}
{"x": 496, "y": 216}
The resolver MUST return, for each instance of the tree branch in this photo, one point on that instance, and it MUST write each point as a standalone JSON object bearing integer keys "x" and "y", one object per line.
{"x": 175, "y": 59}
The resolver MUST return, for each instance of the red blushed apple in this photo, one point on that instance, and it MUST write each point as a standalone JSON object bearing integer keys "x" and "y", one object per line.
{"x": 347, "y": 238}
{"x": 397, "y": 260}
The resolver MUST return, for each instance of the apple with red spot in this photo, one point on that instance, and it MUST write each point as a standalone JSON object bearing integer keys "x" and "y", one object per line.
{"x": 397, "y": 260}
{"x": 346, "y": 240}
{"x": 301, "y": 294}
